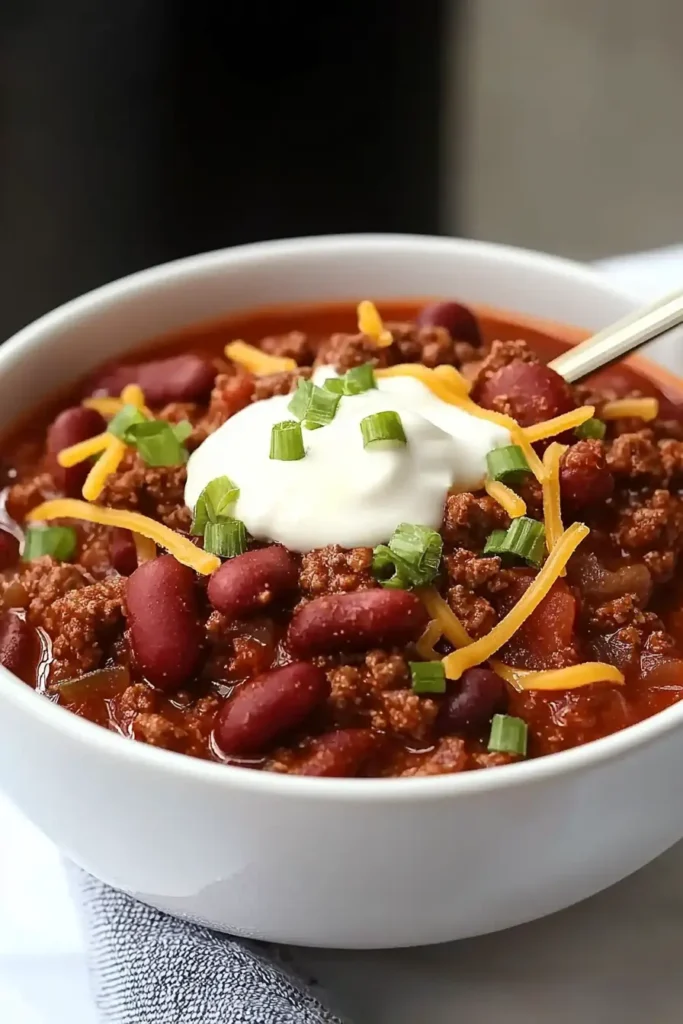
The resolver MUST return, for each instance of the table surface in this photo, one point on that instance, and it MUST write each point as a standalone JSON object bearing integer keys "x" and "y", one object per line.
{"x": 616, "y": 956}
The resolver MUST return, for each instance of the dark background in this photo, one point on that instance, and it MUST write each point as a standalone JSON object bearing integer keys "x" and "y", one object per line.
{"x": 154, "y": 129}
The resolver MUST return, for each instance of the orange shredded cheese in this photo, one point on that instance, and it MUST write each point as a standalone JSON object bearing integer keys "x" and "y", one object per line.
{"x": 450, "y": 625}
{"x": 256, "y": 361}
{"x": 370, "y": 324}
{"x": 180, "y": 547}
{"x": 425, "y": 645}
{"x": 552, "y": 508}
{"x": 107, "y": 407}
{"x": 438, "y": 386}
{"x": 626, "y": 408}
{"x": 454, "y": 379}
{"x": 570, "y": 678}
{"x": 506, "y": 498}
{"x": 558, "y": 424}
{"x": 76, "y": 453}
{"x": 481, "y": 650}
{"x": 107, "y": 464}
{"x": 133, "y": 394}
{"x": 145, "y": 548}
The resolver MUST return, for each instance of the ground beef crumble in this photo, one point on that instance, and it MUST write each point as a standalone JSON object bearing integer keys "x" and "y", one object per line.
{"x": 156, "y": 491}
{"x": 469, "y": 519}
{"x": 334, "y": 570}
{"x": 79, "y": 623}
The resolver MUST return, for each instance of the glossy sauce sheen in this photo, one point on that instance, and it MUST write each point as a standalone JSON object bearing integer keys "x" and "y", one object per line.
{"x": 236, "y": 649}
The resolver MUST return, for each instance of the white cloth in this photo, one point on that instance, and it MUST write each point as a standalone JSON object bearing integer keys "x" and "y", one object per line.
{"x": 612, "y": 960}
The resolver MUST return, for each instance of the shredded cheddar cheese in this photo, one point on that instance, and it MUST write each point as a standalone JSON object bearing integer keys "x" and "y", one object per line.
{"x": 626, "y": 408}
{"x": 437, "y": 385}
{"x": 454, "y": 379}
{"x": 450, "y": 625}
{"x": 370, "y": 324}
{"x": 180, "y": 547}
{"x": 558, "y": 424}
{"x": 570, "y": 678}
{"x": 506, "y": 498}
{"x": 481, "y": 650}
{"x": 552, "y": 509}
{"x": 425, "y": 645}
{"x": 107, "y": 407}
{"x": 133, "y": 394}
{"x": 107, "y": 464}
{"x": 256, "y": 361}
{"x": 76, "y": 453}
{"x": 145, "y": 548}
{"x": 535, "y": 464}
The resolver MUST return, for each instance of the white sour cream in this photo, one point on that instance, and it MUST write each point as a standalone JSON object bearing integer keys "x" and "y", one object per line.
{"x": 340, "y": 493}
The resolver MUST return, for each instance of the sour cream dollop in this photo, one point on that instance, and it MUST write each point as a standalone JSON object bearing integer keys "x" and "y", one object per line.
{"x": 341, "y": 493}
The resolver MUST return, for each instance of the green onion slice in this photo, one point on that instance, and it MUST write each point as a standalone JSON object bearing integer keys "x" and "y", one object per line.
{"x": 215, "y": 500}
{"x": 411, "y": 559}
{"x": 508, "y": 464}
{"x": 524, "y": 538}
{"x": 127, "y": 417}
{"x": 427, "y": 676}
{"x": 225, "y": 538}
{"x": 182, "y": 430}
{"x": 335, "y": 385}
{"x": 157, "y": 443}
{"x": 315, "y": 406}
{"x": 382, "y": 430}
{"x": 287, "y": 441}
{"x": 508, "y": 735}
{"x": 592, "y": 429}
{"x": 359, "y": 379}
{"x": 58, "y": 541}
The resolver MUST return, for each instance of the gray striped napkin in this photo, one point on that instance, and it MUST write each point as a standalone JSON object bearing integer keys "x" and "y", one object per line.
{"x": 149, "y": 968}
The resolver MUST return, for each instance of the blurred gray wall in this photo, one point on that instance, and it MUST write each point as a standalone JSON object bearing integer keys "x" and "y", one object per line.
{"x": 570, "y": 124}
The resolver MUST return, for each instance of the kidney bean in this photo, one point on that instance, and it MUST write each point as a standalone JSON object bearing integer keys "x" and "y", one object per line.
{"x": 269, "y": 705}
{"x": 356, "y": 621}
{"x": 122, "y": 552}
{"x": 19, "y": 647}
{"x": 457, "y": 319}
{"x": 474, "y": 699}
{"x": 533, "y": 392}
{"x": 250, "y": 581}
{"x": 9, "y": 549}
{"x": 585, "y": 478}
{"x": 184, "y": 378}
{"x": 70, "y": 427}
{"x": 339, "y": 754}
{"x": 165, "y": 628}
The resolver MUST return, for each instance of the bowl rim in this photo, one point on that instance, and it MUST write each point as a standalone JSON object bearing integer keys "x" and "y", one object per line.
{"x": 101, "y": 741}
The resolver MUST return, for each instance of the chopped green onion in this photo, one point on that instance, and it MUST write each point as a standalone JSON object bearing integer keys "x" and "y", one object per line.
{"x": 58, "y": 541}
{"x": 411, "y": 559}
{"x": 334, "y": 384}
{"x": 359, "y": 379}
{"x": 157, "y": 443}
{"x": 592, "y": 429}
{"x": 315, "y": 406}
{"x": 382, "y": 430}
{"x": 524, "y": 538}
{"x": 217, "y": 497}
{"x": 125, "y": 418}
{"x": 287, "y": 441}
{"x": 226, "y": 538}
{"x": 508, "y": 735}
{"x": 508, "y": 464}
{"x": 427, "y": 676}
{"x": 182, "y": 430}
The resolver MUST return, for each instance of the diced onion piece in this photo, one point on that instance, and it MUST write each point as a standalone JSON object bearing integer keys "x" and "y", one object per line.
{"x": 256, "y": 361}
{"x": 427, "y": 677}
{"x": 570, "y": 678}
{"x": 180, "y": 547}
{"x": 145, "y": 548}
{"x": 431, "y": 636}
{"x": 383, "y": 430}
{"x": 107, "y": 464}
{"x": 559, "y": 424}
{"x": 552, "y": 509}
{"x": 508, "y": 735}
{"x": 450, "y": 625}
{"x": 630, "y": 408}
{"x": 370, "y": 324}
{"x": 506, "y": 498}
{"x": 286, "y": 441}
{"x": 83, "y": 450}
{"x": 481, "y": 650}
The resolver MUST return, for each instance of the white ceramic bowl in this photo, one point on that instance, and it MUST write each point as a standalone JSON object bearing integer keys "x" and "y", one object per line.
{"x": 350, "y": 863}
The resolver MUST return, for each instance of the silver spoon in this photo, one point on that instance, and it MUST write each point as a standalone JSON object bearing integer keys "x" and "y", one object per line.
{"x": 622, "y": 337}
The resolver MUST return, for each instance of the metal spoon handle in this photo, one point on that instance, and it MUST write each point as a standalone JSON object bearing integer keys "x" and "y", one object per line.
{"x": 620, "y": 338}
